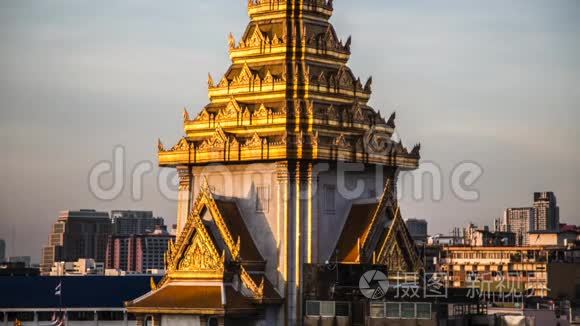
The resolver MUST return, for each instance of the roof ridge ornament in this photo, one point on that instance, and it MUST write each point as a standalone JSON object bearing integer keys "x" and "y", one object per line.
{"x": 185, "y": 115}
{"x": 160, "y": 146}
{"x": 391, "y": 121}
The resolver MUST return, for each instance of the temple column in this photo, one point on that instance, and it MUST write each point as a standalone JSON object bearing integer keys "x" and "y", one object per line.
{"x": 298, "y": 248}
{"x": 184, "y": 196}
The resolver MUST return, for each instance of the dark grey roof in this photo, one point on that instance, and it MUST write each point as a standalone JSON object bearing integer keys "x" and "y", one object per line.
{"x": 77, "y": 291}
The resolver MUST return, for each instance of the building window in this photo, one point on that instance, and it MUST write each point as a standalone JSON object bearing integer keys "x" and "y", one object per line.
{"x": 401, "y": 310}
{"x": 329, "y": 192}
{"x": 262, "y": 199}
{"x": 393, "y": 310}
{"x": 327, "y": 309}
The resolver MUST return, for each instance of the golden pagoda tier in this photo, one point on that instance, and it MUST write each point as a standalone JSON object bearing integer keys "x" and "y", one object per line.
{"x": 289, "y": 95}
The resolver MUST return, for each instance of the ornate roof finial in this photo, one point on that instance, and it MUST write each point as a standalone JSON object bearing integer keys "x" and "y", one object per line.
{"x": 261, "y": 288}
{"x": 348, "y": 43}
{"x": 210, "y": 82}
{"x": 160, "y": 146}
{"x": 152, "y": 284}
{"x": 205, "y": 185}
{"x": 391, "y": 122}
{"x": 368, "y": 84}
{"x": 185, "y": 115}
{"x": 232, "y": 41}
{"x": 236, "y": 251}
{"x": 416, "y": 150}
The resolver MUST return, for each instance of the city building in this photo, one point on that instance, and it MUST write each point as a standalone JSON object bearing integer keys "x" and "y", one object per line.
{"x": 2, "y": 250}
{"x": 519, "y": 221}
{"x": 553, "y": 238}
{"x": 262, "y": 194}
{"x": 418, "y": 230}
{"x": 81, "y": 267}
{"x": 84, "y": 301}
{"x": 475, "y": 236}
{"x": 126, "y": 222}
{"x": 529, "y": 269}
{"x": 75, "y": 235}
{"x": 448, "y": 240}
{"x": 546, "y": 211}
{"x": 26, "y": 260}
{"x": 138, "y": 252}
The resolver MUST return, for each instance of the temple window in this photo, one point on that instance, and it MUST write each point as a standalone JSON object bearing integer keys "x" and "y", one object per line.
{"x": 262, "y": 199}
{"x": 329, "y": 192}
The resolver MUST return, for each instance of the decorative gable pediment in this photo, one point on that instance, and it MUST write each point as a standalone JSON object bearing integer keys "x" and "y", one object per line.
{"x": 358, "y": 114}
{"x": 204, "y": 115}
{"x": 245, "y": 76}
{"x": 231, "y": 111}
{"x": 182, "y": 145}
{"x": 216, "y": 142}
{"x": 200, "y": 257}
{"x": 262, "y": 112}
{"x": 257, "y": 38}
{"x": 397, "y": 250}
{"x": 195, "y": 250}
{"x": 254, "y": 142}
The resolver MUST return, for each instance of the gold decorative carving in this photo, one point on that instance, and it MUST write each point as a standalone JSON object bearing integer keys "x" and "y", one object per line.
{"x": 254, "y": 142}
{"x": 230, "y": 112}
{"x": 341, "y": 142}
{"x": 262, "y": 112}
{"x": 257, "y": 290}
{"x": 182, "y": 145}
{"x": 215, "y": 142}
{"x": 198, "y": 258}
{"x": 204, "y": 115}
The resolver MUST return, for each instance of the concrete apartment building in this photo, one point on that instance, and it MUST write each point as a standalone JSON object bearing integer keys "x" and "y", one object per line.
{"x": 534, "y": 270}
{"x": 138, "y": 252}
{"x": 547, "y": 211}
{"x": 520, "y": 221}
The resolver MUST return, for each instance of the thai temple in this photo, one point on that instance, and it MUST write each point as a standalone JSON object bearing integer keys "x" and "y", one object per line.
{"x": 286, "y": 178}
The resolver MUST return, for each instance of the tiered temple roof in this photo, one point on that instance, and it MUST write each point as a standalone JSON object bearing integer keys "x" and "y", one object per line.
{"x": 289, "y": 94}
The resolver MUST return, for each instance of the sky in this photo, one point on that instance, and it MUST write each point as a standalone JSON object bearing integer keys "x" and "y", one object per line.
{"x": 492, "y": 82}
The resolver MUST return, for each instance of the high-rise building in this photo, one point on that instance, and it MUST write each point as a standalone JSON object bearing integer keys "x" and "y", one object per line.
{"x": 75, "y": 235}
{"x": 138, "y": 252}
{"x": 547, "y": 211}
{"x": 134, "y": 222}
{"x": 519, "y": 221}
{"x": 2, "y": 250}
{"x": 418, "y": 229}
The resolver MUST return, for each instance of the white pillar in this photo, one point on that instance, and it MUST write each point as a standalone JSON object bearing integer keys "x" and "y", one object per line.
{"x": 184, "y": 197}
